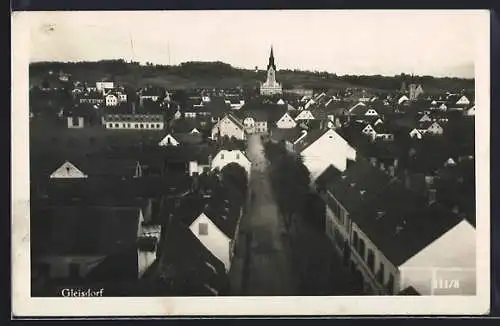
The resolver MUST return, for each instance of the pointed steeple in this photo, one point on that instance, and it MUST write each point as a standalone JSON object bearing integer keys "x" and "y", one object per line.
{"x": 271, "y": 60}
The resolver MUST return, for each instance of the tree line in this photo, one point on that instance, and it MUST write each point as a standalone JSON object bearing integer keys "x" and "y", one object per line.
{"x": 217, "y": 69}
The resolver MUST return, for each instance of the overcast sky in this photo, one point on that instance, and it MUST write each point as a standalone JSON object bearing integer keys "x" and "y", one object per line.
{"x": 343, "y": 42}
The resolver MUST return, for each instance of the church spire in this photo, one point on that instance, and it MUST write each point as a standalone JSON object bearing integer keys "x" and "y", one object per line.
{"x": 271, "y": 60}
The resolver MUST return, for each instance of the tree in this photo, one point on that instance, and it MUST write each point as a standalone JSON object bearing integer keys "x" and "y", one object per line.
{"x": 235, "y": 177}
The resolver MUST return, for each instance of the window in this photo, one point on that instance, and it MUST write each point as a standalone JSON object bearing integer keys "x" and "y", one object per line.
{"x": 158, "y": 126}
{"x": 371, "y": 260}
{"x": 67, "y": 169}
{"x": 380, "y": 274}
{"x": 238, "y": 156}
{"x": 116, "y": 125}
{"x": 110, "y": 125}
{"x": 74, "y": 270}
{"x": 202, "y": 229}
{"x": 361, "y": 248}
{"x": 142, "y": 126}
{"x": 136, "y": 126}
{"x": 128, "y": 125}
{"x": 221, "y": 156}
{"x": 355, "y": 239}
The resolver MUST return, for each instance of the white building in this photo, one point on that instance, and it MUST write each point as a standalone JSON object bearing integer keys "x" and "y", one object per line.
{"x": 103, "y": 86}
{"x": 271, "y": 86}
{"x": 321, "y": 148}
{"x": 133, "y": 121}
{"x": 392, "y": 241}
{"x": 111, "y": 100}
{"x": 225, "y": 157}
{"x": 229, "y": 126}
{"x": 286, "y": 122}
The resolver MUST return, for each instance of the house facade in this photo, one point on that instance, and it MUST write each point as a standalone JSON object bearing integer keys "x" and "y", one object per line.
{"x": 216, "y": 241}
{"x": 225, "y": 157}
{"x": 228, "y": 126}
{"x": 133, "y": 121}
{"x": 327, "y": 149}
{"x": 286, "y": 122}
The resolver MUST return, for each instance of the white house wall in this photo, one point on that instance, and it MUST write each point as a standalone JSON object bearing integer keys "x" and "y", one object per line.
{"x": 330, "y": 148}
{"x": 455, "y": 260}
{"x": 234, "y": 156}
{"x": 67, "y": 171}
{"x": 361, "y": 262}
{"x": 215, "y": 241}
{"x": 226, "y": 127}
{"x": 286, "y": 122}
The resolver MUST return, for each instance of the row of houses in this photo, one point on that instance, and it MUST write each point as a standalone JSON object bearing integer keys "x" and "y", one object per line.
{"x": 394, "y": 239}
{"x": 128, "y": 211}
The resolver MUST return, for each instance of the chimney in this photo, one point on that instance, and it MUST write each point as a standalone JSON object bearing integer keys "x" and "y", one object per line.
{"x": 396, "y": 163}
{"x": 432, "y": 196}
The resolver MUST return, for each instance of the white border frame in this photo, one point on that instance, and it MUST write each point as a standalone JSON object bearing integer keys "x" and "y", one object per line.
{"x": 25, "y": 306}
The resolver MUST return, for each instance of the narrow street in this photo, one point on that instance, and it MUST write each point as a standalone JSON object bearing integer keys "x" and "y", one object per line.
{"x": 270, "y": 260}
{"x": 263, "y": 262}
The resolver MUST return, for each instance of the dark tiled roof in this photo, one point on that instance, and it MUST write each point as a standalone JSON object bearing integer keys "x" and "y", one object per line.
{"x": 329, "y": 176}
{"x": 406, "y": 225}
{"x": 286, "y": 134}
{"x": 81, "y": 230}
{"x": 311, "y": 137}
{"x": 409, "y": 291}
{"x": 357, "y": 184}
{"x": 133, "y": 117}
{"x": 257, "y": 115}
{"x": 188, "y": 265}
{"x": 235, "y": 120}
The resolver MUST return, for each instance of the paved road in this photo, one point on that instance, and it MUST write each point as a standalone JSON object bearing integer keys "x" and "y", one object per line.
{"x": 269, "y": 261}
{"x": 262, "y": 266}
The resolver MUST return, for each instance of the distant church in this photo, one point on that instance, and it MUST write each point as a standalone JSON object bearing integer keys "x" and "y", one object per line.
{"x": 271, "y": 86}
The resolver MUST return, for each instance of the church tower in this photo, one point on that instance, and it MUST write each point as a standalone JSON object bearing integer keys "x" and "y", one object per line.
{"x": 271, "y": 86}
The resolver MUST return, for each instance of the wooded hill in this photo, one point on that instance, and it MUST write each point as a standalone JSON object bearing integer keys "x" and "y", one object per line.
{"x": 222, "y": 75}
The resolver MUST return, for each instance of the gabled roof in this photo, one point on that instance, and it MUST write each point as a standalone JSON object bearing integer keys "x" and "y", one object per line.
{"x": 330, "y": 175}
{"x": 235, "y": 120}
{"x": 290, "y": 135}
{"x": 406, "y": 224}
{"x": 359, "y": 108}
{"x": 257, "y": 115}
{"x": 220, "y": 208}
{"x": 311, "y": 137}
{"x": 187, "y": 264}
{"x": 357, "y": 184}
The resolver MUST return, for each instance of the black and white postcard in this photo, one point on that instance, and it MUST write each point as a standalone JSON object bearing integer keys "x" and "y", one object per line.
{"x": 256, "y": 162}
